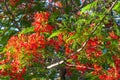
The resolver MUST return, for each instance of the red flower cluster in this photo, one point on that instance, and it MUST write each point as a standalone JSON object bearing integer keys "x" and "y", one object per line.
{"x": 113, "y": 35}
{"x": 22, "y": 50}
{"x": 92, "y": 48}
{"x": 40, "y": 22}
{"x": 21, "y": 47}
{"x": 97, "y": 69}
{"x": 81, "y": 68}
{"x": 113, "y": 73}
{"x": 14, "y": 58}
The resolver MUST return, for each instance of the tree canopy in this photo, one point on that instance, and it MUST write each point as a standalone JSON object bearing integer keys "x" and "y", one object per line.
{"x": 60, "y": 39}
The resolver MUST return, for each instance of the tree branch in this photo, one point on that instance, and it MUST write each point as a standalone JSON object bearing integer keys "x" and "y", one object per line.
{"x": 55, "y": 64}
{"x": 80, "y": 49}
{"x": 96, "y": 26}
{"x": 71, "y": 65}
{"x": 79, "y": 7}
{"x": 16, "y": 24}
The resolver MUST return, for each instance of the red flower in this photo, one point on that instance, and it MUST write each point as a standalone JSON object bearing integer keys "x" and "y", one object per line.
{"x": 97, "y": 68}
{"x": 113, "y": 35}
{"x": 90, "y": 50}
{"x": 68, "y": 50}
{"x": 103, "y": 77}
{"x": 108, "y": 42}
{"x": 47, "y": 28}
{"x": 98, "y": 53}
{"x": 60, "y": 39}
{"x": 81, "y": 67}
{"x": 41, "y": 41}
{"x": 74, "y": 57}
{"x": 2, "y": 62}
{"x": 40, "y": 23}
{"x": 93, "y": 43}
{"x": 3, "y": 73}
{"x": 24, "y": 70}
{"x": 68, "y": 72}
{"x": 41, "y": 17}
{"x": 37, "y": 27}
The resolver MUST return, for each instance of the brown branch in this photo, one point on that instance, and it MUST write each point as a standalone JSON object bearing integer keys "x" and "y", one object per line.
{"x": 13, "y": 17}
{"x": 80, "y": 49}
{"x": 55, "y": 64}
{"x": 96, "y": 26}
{"x": 71, "y": 65}
{"x": 73, "y": 3}
{"x": 78, "y": 7}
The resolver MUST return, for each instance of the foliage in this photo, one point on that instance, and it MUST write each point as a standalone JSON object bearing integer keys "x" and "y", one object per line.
{"x": 51, "y": 39}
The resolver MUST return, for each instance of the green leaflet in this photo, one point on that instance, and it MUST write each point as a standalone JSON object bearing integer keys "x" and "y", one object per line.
{"x": 1, "y": 66}
{"x": 27, "y": 30}
{"x": 118, "y": 32}
{"x": 88, "y": 7}
{"x": 90, "y": 76}
{"x": 117, "y": 7}
{"x": 3, "y": 50}
{"x": 1, "y": 31}
{"x": 117, "y": 29}
{"x": 4, "y": 78}
{"x": 4, "y": 66}
{"x": 55, "y": 33}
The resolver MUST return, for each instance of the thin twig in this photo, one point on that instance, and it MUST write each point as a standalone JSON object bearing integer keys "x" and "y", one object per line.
{"x": 71, "y": 65}
{"x": 79, "y": 7}
{"x": 16, "y": 24}
{"x": 55, "y": 64}
{"x": 73, "y": 3}
{"x": 97, "y": 25}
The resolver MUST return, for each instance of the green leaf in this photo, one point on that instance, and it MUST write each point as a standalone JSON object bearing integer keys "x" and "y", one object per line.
{"x": 90, "y": 76}
{"x": 73, "y": 37}
{"x": 55, "y": 33}
{"x": 3, "y": 50}
{"x": 1, "y": 66}
{"x": 1, "y": 31}
{"x": 117, "y": 6}
{"x": 88, "y": 7}
{"x": 4, "y": 66}
{"x": 114, "y": 43}
{"x": 4, "y": 77}
{"x": 68, "y": 9}
{"x": 118, "y": 31}
{"x": 53, "y": 17}
{"x": 70, "y": 60}
{"x": 27, "y": 30}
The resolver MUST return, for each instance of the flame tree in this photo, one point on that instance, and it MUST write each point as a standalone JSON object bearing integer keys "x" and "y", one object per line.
{"x": 66, "y": 39}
